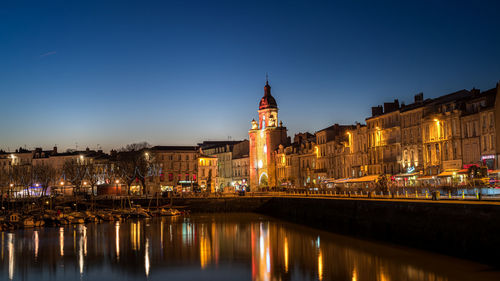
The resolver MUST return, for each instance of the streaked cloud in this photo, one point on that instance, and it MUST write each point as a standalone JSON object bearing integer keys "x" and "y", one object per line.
{"x": 48, "y": 54}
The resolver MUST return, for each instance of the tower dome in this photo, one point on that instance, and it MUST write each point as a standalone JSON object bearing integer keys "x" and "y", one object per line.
{"x": 267, "y": 101}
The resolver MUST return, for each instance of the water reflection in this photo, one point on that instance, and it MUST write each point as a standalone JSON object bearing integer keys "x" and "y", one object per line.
{"x": 117, "y": 240}
{"x": 10, "y": 245}
{"x": 216, "y": 247}
{"x": 36, "y": 241}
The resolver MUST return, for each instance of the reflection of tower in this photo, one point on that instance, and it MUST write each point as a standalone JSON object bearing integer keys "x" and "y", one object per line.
{"x": 265, "y": 137}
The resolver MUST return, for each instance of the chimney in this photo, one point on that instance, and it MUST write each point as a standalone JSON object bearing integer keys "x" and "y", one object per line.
{"x": 419, "y": 97}
{"x": 391, "y": 106}
{"x": 377, "y": 110}
{"x": 54, "y": 150}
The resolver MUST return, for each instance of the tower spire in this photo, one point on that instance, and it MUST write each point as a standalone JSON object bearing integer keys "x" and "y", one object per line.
{"x": 267, "y": 79}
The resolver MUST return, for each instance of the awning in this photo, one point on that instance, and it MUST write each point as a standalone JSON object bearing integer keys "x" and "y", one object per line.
{"x": 446, "y": 174}
{"x": 338, "y": 180}
{"x": 364, "y": 179}
{"x": 406, "y": 175}
{"x": 463, "y": 171}
{"x": 425, "y": 178}
{"x": 493, "y": 171}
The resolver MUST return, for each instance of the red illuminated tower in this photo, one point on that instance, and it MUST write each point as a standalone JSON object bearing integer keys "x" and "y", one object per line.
{"x": 265, "y": 137}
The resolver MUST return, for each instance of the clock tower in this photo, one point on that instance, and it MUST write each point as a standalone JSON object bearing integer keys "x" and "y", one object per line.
{"x": 265, "y": 137}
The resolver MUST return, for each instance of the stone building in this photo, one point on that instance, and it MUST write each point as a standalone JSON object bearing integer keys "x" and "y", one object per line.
{"x": 241, "y": 166}
{"x": 224, "y": 151}
{"x": 176, "y": 168}
{"x": 296, "y": 163}
{"x": 384, "y": 145}
{"x": 333, "y": 152}
{"x": 440, "y": 126}
{"x": 265, "y": 136}
{"x": 412, "y": 160}
{"x": 207, "y": 173}
{"x": 358, "y": 149}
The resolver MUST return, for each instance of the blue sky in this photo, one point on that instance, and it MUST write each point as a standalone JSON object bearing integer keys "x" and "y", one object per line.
{"x": 110, "y": 73}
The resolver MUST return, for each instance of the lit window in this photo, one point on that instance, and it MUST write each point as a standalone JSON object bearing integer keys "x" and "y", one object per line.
{"x": 260, "y": 164}
{"x": 265, "y": 148}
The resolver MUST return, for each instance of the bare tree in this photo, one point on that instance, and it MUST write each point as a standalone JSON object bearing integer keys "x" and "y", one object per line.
{"x": 44, "y": 175}
{"x": 21, "y": 178}
{"x": 74, "y": 172}
{"x": 93, "y": 175}
{"x": 134, "y": 162}
{"x": 5, "y": 182}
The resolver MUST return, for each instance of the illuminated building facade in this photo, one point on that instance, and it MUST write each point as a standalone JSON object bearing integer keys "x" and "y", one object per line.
{"x": 207, "y": 173}
{"x": 176, "y": 168}
{"x": 225, "y": 151}
{"x": 265, "y": 136}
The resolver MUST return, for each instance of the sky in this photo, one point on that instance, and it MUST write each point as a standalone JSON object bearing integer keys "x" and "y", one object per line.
{"x": 107, "y": 73}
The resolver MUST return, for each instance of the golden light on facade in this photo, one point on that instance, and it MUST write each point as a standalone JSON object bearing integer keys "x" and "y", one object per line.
{"x": 316, "y": 150}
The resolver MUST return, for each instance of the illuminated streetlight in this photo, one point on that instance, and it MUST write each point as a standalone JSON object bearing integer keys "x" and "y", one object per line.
{"x": 11, "y": 185}
{"x": 117, "y": 181}
{"x": 62, "y": 183}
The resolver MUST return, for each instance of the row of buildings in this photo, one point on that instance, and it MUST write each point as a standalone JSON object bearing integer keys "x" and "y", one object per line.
{"x": 431, "y": 141}
{"x": 428, "y": 140}
{"x": 210, "y": 166}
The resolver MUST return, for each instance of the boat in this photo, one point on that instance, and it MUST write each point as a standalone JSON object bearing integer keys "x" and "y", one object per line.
{"x": 167, "y": 212}
{"x": 27, "y": 222}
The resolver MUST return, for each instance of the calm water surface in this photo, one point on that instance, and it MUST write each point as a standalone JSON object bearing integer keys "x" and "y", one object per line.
{"x": 216, "y": 247}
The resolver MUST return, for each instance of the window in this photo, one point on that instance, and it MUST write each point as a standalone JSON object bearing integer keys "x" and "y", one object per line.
{"x": 437, "y": 151}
